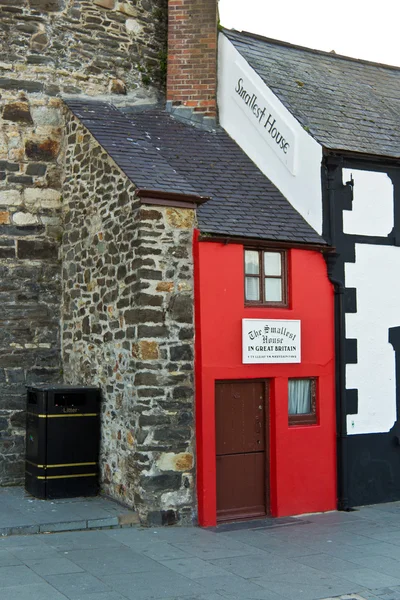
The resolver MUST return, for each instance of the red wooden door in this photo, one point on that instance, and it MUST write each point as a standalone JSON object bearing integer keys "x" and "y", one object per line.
{"x": 241, "y": 449}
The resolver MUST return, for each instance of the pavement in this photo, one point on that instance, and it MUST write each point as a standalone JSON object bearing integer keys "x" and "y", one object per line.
{"x": 348, "y": 555}
{"x": 21, "y": 513}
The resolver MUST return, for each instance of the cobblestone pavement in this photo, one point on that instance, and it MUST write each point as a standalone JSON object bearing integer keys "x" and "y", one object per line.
{"x": 352, "y": 555}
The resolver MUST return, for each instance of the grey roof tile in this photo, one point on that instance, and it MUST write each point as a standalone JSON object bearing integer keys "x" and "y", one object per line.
{"x": 158, "y": 152}
{"x": 346, "y": 104}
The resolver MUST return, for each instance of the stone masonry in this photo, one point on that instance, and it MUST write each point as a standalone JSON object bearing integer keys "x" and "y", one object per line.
{"x": 30, "y": 234}
{"x": 49, "y": 48}
{"x": 82, "y": 46}
{"x": 128, "y": 328}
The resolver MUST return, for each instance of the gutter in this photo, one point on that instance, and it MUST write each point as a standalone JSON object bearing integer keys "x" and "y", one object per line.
{"x": 175, "y": 199}
{"x": 264, "y": 242}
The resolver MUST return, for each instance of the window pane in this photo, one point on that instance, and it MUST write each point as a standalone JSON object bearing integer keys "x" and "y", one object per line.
{"x": 252, "y": 288}
{"x": 251, "y": 259}
{"x": 272, "y": 263}
{"x": 273, "y": 290}
{"x": 299, "y": 396}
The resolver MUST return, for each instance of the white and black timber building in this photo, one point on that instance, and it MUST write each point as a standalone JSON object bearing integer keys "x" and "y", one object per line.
{"x": 346, "y": 183}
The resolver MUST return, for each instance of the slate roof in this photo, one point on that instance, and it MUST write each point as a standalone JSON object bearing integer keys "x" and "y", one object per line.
{"x": 158, "y": 152}
{"x": 346, "y": 104}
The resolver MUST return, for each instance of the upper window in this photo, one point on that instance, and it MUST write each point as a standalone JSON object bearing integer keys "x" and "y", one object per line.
{"x": 265, "y": 277}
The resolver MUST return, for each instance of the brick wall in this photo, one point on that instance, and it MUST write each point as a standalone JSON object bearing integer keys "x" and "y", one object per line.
{"x": 192, "y": 55}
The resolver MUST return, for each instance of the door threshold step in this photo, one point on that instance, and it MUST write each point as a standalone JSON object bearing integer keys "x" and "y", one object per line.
{"x": 254, "y": 524}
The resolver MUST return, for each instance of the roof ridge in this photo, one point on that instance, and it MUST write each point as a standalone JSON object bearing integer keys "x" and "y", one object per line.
{"x": 310, "y": 50}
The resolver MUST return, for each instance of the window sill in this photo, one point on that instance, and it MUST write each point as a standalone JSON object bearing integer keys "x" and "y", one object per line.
{"x": 265, "y": 305}
{"x": 309, "y": 420}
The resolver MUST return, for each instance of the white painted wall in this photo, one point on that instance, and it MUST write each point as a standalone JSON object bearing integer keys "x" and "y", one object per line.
{"x": 373, "y": 207}
{"x": 375, "y": 275}
{"x": 298, "y": 174}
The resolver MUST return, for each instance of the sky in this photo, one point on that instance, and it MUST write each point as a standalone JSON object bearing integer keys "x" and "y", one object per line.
{"x": 364, "y": 29}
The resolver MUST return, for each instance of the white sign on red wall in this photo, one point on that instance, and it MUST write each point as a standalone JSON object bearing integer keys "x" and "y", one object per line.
{"x": 271, "y": 341}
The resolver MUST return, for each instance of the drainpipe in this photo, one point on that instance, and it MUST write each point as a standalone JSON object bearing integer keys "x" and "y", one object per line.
{"x": 340, "y": 372}
{"x": 340, "y": 382}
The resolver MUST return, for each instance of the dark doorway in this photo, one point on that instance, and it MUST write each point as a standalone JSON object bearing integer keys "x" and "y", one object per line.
{"x": 242, "y": 449}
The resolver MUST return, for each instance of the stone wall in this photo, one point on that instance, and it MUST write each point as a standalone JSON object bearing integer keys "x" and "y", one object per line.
{"x": 75, "y": 46}
{"x": 30, "y": 234}
{"x": 128, "y": 327}
{"x": 48, "y": 48}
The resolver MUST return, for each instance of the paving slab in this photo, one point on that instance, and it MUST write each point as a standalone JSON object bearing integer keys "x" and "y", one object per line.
{"x": 22, "y": 514}
{"x": 311, "y": 591}
{"x": 121, "y": 560}
{"x": 327, "y": 563}
{"x": 37, "y": 591}
{"x": 144, "y": 586}
{"x": 255, "y": 565}
{"x": 371, "y": 578}
{"x": 71, "y": 540}
{"x": 194, "y": 567}
{"x": 233, "y": 586}
{"x": 217, "y": 550}
{"x": 7, "y": 559}
{"x": 17, "y": 575}
{"x": 53, "y": 566}
{"x": 307, "y": 558}
{"x": 101, "y": 596}
{"x": 77, "y": 584}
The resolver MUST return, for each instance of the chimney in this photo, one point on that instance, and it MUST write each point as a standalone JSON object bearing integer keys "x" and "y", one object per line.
{"x": 192, "y": 60}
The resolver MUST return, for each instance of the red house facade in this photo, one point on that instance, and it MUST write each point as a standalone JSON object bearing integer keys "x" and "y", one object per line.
{"x": 293, "y": 470}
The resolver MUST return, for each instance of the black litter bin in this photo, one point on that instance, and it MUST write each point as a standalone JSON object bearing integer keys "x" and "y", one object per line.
{"x": 62, "y": 441}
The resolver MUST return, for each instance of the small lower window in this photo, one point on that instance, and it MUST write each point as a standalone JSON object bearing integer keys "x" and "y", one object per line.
{"x": 302, "y": 401}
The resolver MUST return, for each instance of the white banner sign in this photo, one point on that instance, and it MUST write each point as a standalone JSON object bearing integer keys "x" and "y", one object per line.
{"x": 271, "y": 341}
{"x": 267, "y": 119}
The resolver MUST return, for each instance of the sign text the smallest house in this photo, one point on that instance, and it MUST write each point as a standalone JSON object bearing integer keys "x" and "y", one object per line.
{"x": 271, "y": 341}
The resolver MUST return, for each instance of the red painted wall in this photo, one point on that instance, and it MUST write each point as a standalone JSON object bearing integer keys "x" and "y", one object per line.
{"x": 302, "y": 458}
